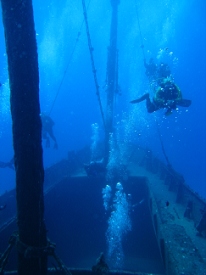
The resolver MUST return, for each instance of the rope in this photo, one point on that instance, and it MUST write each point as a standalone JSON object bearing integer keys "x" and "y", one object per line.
{"x": 106, "y": 78}
{"x": 163, "y": 148}
{"x": 68, "y": 64}
{"x": 151, "y": 86}
{"x": 31, "y": 252}
{"x": 142, "y": 46}
{"x": 61, "y": 264}
{"x": 91, "y": 49}
{"x": 5, "y": 255}
{"x": 152, "y": 83}
{"x": 170, "y": 169}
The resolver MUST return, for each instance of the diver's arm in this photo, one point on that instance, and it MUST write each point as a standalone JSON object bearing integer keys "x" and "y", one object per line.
{"x": 51, "y": 134}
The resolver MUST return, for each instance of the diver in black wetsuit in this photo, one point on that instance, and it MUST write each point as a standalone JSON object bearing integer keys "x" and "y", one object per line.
{"x": 167, "y": 95}
{"x": 151, "y": 69}
{"x": 163, "y": 72}
{"x": 156, "y": 73}
{"x": 47, "y": 130}
{"x": 95, "y": 168}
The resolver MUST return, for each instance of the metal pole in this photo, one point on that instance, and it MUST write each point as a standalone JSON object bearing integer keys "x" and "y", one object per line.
{"x": 111, "y": 71}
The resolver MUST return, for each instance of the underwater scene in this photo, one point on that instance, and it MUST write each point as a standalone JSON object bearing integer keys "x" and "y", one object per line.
{"x": 121, "y": 93}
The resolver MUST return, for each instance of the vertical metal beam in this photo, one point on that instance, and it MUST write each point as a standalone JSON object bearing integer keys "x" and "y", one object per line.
{"x": 21, "y": 49}
{"x": 111, "y": 74}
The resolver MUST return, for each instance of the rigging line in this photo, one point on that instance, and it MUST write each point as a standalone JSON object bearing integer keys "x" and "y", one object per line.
{"x": 162, "y": 145}
{"x": 69, "y": 62}
{"x": 142, "y": 46}
{"x": 158, "y": 130}
{"x": 170, "y": 169}
{"x": 91, "y": 49}
{"x": 141, "y": 38}
{"x": 172, "y": 172}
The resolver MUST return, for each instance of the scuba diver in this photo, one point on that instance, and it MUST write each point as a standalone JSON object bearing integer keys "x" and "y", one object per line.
{"x": 47, "y": 130}
{"x": 163, "y": 71}
{"x": 95, "y": 168}
{"x": 156, "y": 73}
{"x": 151, "y": 69}
{"x": 167, "y": 95}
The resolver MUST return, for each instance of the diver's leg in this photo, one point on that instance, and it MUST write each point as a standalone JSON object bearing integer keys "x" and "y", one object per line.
{"x": 50, "y": 132}
{"x": 151, "y": 107}
{"x": 145, "y": 96}
{"x": 47, "y": 142}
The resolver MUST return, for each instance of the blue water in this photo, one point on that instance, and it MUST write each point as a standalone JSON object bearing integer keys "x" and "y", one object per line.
{"x": 172, "y": 31}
